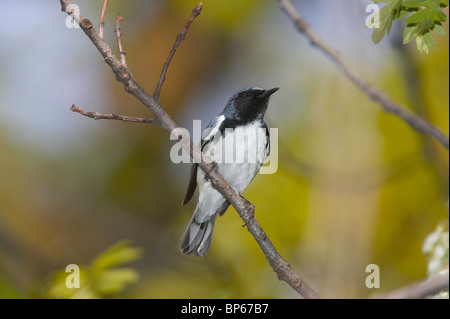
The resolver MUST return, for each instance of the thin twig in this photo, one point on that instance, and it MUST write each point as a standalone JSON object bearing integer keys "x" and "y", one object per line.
{"x": 420, "y": 125}
{"x": 123, "y": 75}
{"x": 180, "y": 37}
{"x": 102, "y": 19}
{"x": 422, "y": 289}
{"x": 118, "y": 32}
{"x": 99, "y": 116}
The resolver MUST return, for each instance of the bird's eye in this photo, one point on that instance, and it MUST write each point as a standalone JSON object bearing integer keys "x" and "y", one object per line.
{"x": 249, "y": 95}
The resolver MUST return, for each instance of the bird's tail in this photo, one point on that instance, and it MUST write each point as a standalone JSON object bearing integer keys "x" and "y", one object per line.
{"x": 197, "y": 237}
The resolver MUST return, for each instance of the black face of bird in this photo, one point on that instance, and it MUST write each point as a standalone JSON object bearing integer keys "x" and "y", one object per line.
{"x": 249, "y": 104}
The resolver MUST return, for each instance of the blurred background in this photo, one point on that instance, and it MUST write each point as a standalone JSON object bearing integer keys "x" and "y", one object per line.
{"x": 354, "y": 186}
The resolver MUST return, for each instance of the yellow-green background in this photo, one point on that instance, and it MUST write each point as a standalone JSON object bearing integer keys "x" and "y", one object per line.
{"x": 354, "y": 186}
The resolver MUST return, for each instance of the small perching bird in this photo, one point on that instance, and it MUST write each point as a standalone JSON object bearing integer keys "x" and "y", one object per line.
{"x": 238, "y": 141}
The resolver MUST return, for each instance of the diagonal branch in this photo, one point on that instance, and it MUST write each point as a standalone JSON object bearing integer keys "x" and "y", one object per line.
{"x": 245, "y": 211}
{"x": 372, "y": 92}
{"x": 418, "y": 290}
{"x": 180, "y": 37}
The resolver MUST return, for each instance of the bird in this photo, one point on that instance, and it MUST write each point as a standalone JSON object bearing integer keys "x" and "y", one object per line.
{"x": 238, "y": 141}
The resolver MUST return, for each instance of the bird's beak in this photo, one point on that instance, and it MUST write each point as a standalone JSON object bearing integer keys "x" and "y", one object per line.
{"x": 268, "y": 93}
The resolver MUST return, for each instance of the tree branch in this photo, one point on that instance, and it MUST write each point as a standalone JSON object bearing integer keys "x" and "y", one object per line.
{"x": 420, "y": 289}
{"x": 118, "y": 32}
{"x": 99, "y": 116}
{"x": 420, "y": 125}
{"x": 180, "y": 37}
{"x": 124, "y": 76}
{"x": 102, "y": 18}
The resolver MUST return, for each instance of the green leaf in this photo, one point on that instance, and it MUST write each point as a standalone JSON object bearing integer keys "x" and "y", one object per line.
{"x": 57, "y": 286}
{"x": 409, "y": 33}
{"x": 425, "y": 42}
{"x": 113, "y": 281}
{"x": 424, "y": 26}
{"x": 387, "y": 14}
{"x": 439, "y": 29}
{"x": 378, "y": 35}
{"x": 404, "y": 12}
{"x": 424, "y": 19}
{"x": 101, "y": 279}
{"x": 117, "y": 255}
{"x": 419, "y": 15}
{"x": 416, "y": 3}
{"x": 428, "y": 38}
{"x": 439, "y": 15}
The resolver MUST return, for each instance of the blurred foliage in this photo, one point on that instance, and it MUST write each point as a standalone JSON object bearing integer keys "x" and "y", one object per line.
{"x": 102, "y": 278}
{"x": 226, "y": 14}
{"x": 422, "y": 17}
{"x": 436, "y": 247}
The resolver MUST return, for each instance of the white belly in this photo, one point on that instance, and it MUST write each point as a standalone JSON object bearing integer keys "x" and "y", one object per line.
{"x": 239, "y": 155}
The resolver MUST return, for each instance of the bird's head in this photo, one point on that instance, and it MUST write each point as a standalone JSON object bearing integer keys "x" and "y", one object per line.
{"x": 248, "y": 104}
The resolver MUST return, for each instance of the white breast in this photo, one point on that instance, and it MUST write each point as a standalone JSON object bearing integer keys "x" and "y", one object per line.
{"x": 239, "y": 154}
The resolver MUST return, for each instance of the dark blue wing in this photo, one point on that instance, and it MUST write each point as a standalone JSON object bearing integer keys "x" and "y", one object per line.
{"x": 207, "y": 136}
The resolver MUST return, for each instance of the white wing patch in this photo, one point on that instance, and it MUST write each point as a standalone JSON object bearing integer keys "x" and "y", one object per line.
{"x": 213, "y": 129}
